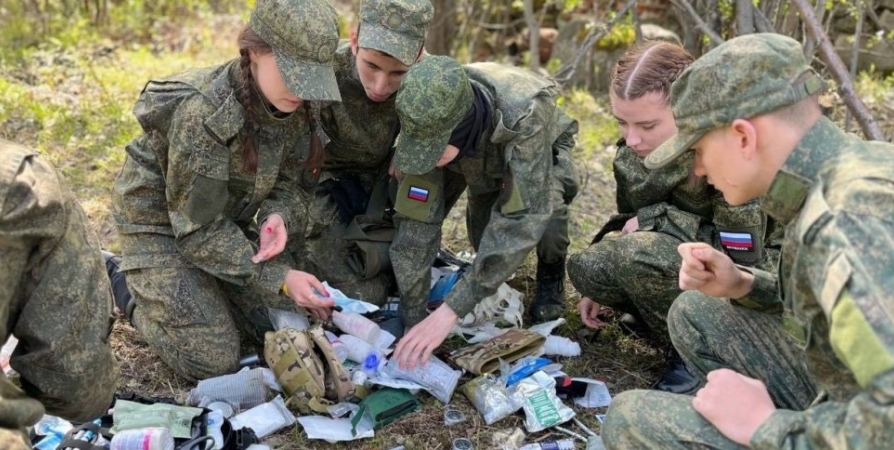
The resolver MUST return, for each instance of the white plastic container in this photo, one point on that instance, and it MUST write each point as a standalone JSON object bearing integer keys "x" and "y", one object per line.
{"x": 357, "y": 325}
{"x": 155, "y": 438}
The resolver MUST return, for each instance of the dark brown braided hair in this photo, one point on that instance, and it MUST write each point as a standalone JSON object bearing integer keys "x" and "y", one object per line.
{"x": 248, "y": 42}
{"x": 650, "y": 66}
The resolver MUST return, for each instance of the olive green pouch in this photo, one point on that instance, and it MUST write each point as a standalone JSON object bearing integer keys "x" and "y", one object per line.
{"x": 510, "y": 346}
{"x": 385, "y": 406}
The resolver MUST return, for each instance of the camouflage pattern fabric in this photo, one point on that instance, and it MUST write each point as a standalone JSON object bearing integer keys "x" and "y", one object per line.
{"x": 308, "y": 370}
{"x": 54, "y": 297}
{"x": 432, "y": 100}
{"x": 834, "y": 194}
{"x": 672, "y": 207}
{"x": 188, "y": 233}
{"x": 304, "y": 36}
{"x": 395, "y": 27}
{"x": 784, "y": 81}
{"x": 508, "y": 347}
{"x": 513, "y": 187}
{"x": 361, "y": 133}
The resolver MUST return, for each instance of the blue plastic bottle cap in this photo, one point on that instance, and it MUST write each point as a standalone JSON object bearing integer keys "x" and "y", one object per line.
{"x": 371, "y": 362}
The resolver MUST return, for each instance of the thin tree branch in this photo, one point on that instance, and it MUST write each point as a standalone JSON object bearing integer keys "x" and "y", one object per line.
{"x": 809, "y": 42}
{"x": 762, "y": 23}
{"x": 855, "y": 54}
{"x": 836, "y": 67}
{"x": 501, "y": 26}
{"x": 744, "y": 17}
{"x": 566, "y": 72}
{"x": 533, "y": 36}
{"x": 699, "y": 23}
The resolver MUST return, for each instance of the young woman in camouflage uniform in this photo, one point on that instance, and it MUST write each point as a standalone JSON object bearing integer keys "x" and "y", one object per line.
{"x": 632, "y": 264}
{"x": 222, "y": 150}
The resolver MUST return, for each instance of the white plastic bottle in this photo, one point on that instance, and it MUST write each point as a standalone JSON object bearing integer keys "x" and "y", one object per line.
{"x": 339, "y": 347}
{"x": 358, "y": 349}
{"x": 357, "y": 325}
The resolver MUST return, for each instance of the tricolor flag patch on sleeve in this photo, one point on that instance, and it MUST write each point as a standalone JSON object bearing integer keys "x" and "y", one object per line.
{"x": 736, "y": 241}
{"x": 417, "y": 193}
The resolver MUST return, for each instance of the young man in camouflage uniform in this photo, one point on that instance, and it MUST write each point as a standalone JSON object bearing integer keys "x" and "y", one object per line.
{"x": 54, "y": 297}
{"x": 362, "y": 129}
{"x": 215, "y": 172}
{"x": 657, "y": 210}
{"x": 497, "y": 131}
{"x": 749, "y": 110}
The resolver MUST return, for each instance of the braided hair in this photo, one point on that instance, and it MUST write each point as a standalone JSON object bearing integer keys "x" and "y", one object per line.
{"x": 650, "y": 66}
{"x": 248, "y": 42}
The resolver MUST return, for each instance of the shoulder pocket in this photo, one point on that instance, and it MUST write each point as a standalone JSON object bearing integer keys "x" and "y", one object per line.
{"x": 226, "y": 122}
{"x": 419, "y": 197}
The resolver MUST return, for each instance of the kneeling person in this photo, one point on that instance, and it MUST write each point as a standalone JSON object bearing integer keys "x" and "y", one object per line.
{"x": 54, "y": 297}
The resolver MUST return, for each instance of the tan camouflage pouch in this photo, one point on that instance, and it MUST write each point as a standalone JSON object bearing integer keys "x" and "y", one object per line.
{"x": 337, "y": 382}
{"x": 307, "y": 369}
{"x": 510, "y": 346}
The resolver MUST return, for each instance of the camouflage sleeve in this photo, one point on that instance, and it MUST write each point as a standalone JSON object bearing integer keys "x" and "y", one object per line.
{"x": 843, "y": 274}
{"x": 764, "y": 295}
{"x": 519, "y": 220}
{"x": 670, "y": 220}
{"x": 289, "y": 198}
{"x": 650, "y": 195}
{"x": 413, "y": 252}
{"x": 63, "y": 309}
{"x": 197, "y": 179}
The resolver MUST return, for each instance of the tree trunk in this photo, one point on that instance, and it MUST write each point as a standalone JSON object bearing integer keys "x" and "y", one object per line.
{"x": 442, "y": 29}
{"x": 533, "y": 36}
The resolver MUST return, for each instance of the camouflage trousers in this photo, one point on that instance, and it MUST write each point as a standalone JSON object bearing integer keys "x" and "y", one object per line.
{"x": 55, "y": 298}
{"x": 563, "y": 187}
{"x": 637, "y": 273}
{"x": 325, "y": 255}
{"x": 710, "y": 334}
{"x": 192, "y": 320}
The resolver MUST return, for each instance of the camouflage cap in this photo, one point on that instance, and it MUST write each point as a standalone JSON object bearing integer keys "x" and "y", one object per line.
{"x": 741, "y": 78}
{"x": 432, "y": 99}
{"x": 304, "y": 36}
{"x": 395, "y": 27}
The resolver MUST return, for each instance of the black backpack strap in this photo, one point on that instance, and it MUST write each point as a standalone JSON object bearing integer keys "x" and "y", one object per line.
{"x": 74, "y": 439}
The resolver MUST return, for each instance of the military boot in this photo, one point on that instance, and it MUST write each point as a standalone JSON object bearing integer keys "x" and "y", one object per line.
{"x": 549, "y": 304}
{"x": 677, "y": 379}
{"x": 123, "y": 300}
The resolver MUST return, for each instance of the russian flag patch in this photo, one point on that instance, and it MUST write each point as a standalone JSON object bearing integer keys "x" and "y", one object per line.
{"x": 736, "y": 241}
{"x": 417, "y": 193}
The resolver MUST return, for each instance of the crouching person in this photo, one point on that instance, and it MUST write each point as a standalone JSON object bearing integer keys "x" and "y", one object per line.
{"x": 54, "y": 297}
{"x": 749, "y": 110}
